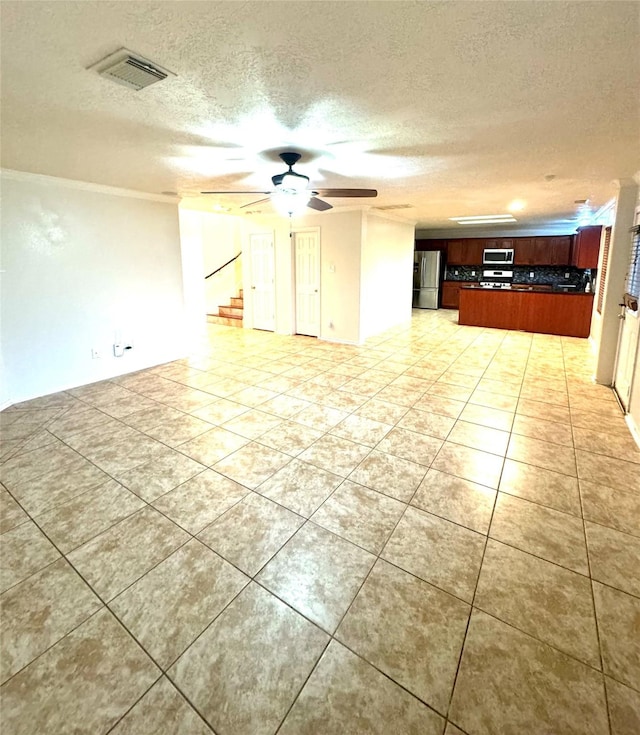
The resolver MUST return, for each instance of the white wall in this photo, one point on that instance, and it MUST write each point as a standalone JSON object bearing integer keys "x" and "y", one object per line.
{"x": 221, "y": 241}
{"x": 216, "y": 238}
{"x": 358, "y": 250}
{"x": 340, "y": 244}
{"x": 386, "y": 274}
{"x": 193, "y": 269}
{"x": 85, "y": 265}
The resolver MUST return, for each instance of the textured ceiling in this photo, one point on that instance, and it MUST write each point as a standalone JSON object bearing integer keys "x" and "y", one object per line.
{"x": 455, "y": 108}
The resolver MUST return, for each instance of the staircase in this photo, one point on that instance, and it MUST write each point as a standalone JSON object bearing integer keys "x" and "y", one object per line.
{"x": 231, "y": 315}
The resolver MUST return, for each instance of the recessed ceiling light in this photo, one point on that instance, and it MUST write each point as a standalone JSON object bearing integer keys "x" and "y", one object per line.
{"x": 517, "y": 205}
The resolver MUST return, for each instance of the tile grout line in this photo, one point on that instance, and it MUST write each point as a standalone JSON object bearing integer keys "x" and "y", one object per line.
{"x": 466, "y": 633}
{"x": 306, "y": 520}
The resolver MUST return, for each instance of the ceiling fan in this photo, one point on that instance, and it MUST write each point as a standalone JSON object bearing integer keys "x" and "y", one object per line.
{"x": 291, "y": 192}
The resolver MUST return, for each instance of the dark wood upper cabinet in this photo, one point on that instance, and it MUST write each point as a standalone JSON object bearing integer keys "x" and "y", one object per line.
{"x": 465, "y": 252}
{"x": 544, "y": 250}
{"x": 525, "y": 251}
{"x": 552, "y": 250}
{"x": 431, "y": 245}
{"x": 586, "y": 247}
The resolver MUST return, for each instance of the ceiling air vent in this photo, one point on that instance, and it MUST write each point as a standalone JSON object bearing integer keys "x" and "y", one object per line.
{"x": 131, "y": 70}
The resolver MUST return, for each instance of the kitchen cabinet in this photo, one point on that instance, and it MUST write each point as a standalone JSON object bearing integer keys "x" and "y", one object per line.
{"x": 451, "y": 293}
{"x": 465, "y": 252}
{"x": 586, "y": 247}
{"x": 529, "y": 311}
{"x": 542, "y": 250}
{"x": 431, "y": 245}
{"x": 524, "y": 251}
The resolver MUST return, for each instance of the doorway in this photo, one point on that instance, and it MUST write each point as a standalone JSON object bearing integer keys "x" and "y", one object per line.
{"x": 263, "y": 301}
{"x": 306, "y": 254}
{"x": 629, "y": 337}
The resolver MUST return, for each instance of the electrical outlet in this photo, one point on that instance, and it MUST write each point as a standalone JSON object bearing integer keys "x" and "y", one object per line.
{"x": 567, "y": 275}
{"x": 96, "y": 354}
{"x": 531, "y": 274}
{"x": 473, "y": 273}
{"x": 118, "y": 349}
{"x": 456, "y": 272}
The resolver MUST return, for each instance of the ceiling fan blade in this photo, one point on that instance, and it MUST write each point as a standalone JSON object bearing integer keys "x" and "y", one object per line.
{"x": 252, "y": 203}
{"x": 348, "y": 192}
{"x": 235, "y": 192}
{"x": 318, "y": 204}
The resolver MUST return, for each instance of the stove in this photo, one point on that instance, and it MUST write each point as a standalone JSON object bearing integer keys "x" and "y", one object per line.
{"x": 494, "y": 284}
{"x": 496, "y": 279}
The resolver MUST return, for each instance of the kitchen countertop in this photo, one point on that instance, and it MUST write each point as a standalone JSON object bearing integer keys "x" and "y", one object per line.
{"x": 530, "y": 289}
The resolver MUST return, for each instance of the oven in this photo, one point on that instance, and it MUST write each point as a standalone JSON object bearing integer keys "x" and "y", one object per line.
{"x": 496, "y": 279}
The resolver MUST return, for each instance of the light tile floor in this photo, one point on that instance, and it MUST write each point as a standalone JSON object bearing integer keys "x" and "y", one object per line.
{"x": 438, "y": 531}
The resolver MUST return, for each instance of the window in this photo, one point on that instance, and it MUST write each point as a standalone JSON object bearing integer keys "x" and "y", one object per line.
{"x": 632, "y": 287}
{"x": 602, "y": 276}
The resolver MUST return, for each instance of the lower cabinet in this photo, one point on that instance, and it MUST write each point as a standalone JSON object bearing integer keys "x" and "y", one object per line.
{"x": 451, "y": 293}
{"x": 547, "y": 313}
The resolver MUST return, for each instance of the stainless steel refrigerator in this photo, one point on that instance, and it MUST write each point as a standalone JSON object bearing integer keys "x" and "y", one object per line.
{"x": 426, "y": 279}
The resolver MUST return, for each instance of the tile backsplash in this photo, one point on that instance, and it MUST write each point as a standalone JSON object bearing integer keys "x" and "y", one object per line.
{"x": 550, "y": 275}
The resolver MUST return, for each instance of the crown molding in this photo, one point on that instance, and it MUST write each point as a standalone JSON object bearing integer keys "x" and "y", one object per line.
{"x": 13, "y": 175}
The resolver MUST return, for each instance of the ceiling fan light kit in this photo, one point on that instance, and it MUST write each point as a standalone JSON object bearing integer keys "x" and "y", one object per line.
{"x": 290, "y": 203}
{"x": 291, "y": 193}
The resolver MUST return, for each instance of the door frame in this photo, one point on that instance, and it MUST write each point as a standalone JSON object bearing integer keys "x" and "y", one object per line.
{"x": 294, "y": 231}
{"x": 248, "y": 282}
{"x": 626, "y": 314}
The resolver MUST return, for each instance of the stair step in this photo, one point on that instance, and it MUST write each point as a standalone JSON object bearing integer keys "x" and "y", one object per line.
{"x": 237, "y": 301}
{"x": 226, "y": 321}
{"x": 230, "y": 311}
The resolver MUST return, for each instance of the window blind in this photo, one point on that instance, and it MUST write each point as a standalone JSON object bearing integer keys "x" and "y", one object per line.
{"x": 633, "y": 275}
{"x": 603, "y": 269}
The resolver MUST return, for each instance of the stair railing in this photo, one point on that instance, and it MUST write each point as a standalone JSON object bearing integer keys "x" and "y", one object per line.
{"x": 217, "y": 270}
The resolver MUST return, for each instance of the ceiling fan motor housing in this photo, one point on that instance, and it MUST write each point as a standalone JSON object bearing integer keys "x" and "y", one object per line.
{"x": 290, "y": 181}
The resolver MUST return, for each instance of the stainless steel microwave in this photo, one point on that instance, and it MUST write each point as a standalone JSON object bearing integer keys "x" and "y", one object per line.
{"x": 497, "y": 257}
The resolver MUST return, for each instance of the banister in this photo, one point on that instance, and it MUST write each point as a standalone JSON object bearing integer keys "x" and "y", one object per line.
{"x": 235, "y": 257}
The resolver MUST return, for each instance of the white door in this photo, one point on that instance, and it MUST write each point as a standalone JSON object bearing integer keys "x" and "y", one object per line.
{"x": 628, "y": 342}
{"x": 306, "y": 248}
{"x": 263, "y": 301}
{"x": 626, "y": 358}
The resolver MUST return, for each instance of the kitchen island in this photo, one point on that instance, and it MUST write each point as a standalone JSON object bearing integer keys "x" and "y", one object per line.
{"x": 528, "y": 310}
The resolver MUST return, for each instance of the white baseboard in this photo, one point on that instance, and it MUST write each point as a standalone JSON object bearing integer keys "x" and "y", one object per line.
{"x": 633, "y": 428}
{"x": 340, "y": 341}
